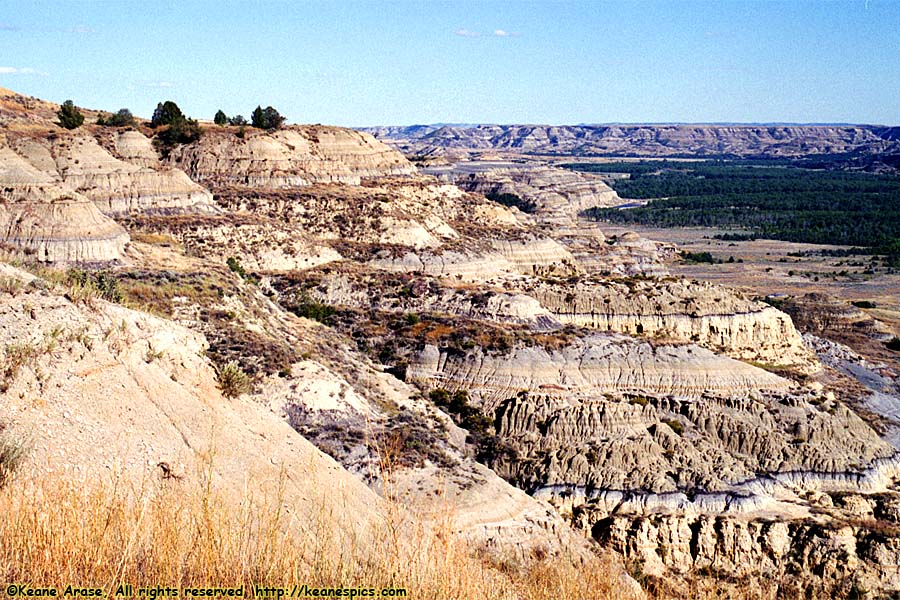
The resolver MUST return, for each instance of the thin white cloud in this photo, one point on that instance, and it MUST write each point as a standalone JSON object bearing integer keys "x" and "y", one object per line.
{"x": 466, "y": 33}
{"x": 79, "y": 29}
{"x": 21, "y": 71}
{"x": 504, "y": 33}
{"x": 160, "y": 84}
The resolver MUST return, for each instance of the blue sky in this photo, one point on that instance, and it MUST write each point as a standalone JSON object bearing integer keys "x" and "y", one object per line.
{"x": 366, "y": 63}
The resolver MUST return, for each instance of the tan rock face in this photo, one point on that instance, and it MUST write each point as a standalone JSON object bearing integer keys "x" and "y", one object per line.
{"x": 294, "y": 157}
{"x": 606, "y": 419}
{"x": 122, "y": 391}
{"x": 689, "y": 311}
{"x": 559, "y": 194}
{"x": 596, "y": 365}
{"x": 50, "y": 222}
{"x": 828, "y": 560}
{"x": 115, "y": 185}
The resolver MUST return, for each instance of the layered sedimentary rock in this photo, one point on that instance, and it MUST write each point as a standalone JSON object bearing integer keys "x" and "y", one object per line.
{"x": 116, "y": 186}
{"x": 558, "y": 195}
{"x": 135, "y": 148}
{"x": 611, "y": 413}
{"x": 294, "y": 157}
{"x": 52, "y": 223}
{"x": 531, "y": 255}
{"x": 691, "y": 311}
{"x": 646, "y": 140}
{"x": 791, "y": 557}
{"x": 424, "y": 294}
{"x": 595, "y": 365}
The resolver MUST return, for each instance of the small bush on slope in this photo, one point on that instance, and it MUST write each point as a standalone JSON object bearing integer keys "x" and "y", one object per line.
{"x": 233, "y": 381}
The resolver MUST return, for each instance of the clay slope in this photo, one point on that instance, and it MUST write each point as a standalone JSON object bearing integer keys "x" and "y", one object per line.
{"x": 46, "y": 220}
{"x": 103, "y": 390}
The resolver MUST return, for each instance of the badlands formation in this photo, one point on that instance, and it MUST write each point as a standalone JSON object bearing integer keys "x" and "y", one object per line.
{"x": 757, "y": 141}
{"x": 403, "y": 336}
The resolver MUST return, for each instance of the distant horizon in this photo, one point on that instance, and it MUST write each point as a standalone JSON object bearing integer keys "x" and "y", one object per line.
{"x": 360, "y": 63}
{"x": 632, "y": 123}
{"x": 471, "y": 125}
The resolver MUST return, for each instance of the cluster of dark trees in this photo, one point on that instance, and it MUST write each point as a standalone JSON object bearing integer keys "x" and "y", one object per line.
{"x": 261, "y": 118}
{"x": 122, "y": 118}
{"x": 69, "y": 116}
{"x": 788, "y": 203}
{"x": 173, "y": 126}
{"x": 507, "y": 199}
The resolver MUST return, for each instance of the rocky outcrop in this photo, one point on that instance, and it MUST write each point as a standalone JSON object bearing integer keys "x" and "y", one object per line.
{"x": 558, "y": 195}
{"x": 117, "y": 187}
{"x": 294, "y": 157}
{"x": 781, "y": 556}
{"x": 788, "y": 558}
{"x": 429, "y": 295}
{"x": 536, "y": 255}
{"x": 44, "y": 219}
{"x": 607, "y": 414}
{"x": 593, "y": 366}
{"x": 681, "y": 310}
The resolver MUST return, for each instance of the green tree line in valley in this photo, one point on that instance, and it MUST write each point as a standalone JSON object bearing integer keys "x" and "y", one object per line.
{"x": 778, "y": 202}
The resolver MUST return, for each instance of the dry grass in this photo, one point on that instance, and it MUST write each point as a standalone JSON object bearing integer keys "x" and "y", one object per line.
{"x": 57, "y": 532}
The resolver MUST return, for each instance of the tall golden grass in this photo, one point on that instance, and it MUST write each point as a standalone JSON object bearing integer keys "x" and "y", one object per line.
{"x": 57, "y": 532}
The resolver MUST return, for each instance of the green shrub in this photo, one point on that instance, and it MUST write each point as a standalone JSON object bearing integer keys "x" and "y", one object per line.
{"x": 221, "y": 118}
{"x": 11, "y": 285}
{"x": 489, "y": 447}
{"x": 863, "y": 304}
{"x": 12, "y": 452}
{"x": 16, "y": 356}
{"x": 181, "y": 132}
{"x": 236, "y": 267}
{"x": 233, "y": 381}
{"x": 178, "y": 129}
{"x": 166, "y": 113}
{"x": 85, "y": 286}
{"x": 123, "y": 118}
{"x": 506, "y": 199}
{"x": 697, "y": 257}
{"x": 69, "y": 115}
{"x": 266, "y": 118}
{"x": 311, "y": 309}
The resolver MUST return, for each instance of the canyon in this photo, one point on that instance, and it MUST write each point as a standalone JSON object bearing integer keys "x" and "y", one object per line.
{"x": 560, "y": 390}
